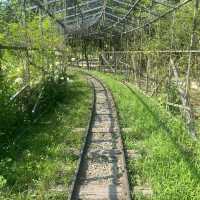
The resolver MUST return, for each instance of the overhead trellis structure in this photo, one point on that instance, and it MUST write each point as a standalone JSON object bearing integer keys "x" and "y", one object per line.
{"x": 102, "y": 17}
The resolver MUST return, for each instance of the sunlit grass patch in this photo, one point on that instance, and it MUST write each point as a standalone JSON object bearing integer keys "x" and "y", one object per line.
{"x": 169, "y": 161}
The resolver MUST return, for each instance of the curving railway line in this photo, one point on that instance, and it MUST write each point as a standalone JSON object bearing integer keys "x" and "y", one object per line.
{"x": 102, "y": 173}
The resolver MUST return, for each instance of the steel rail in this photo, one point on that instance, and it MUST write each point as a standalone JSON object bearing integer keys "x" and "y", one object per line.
{"x": 127, "y": 185}
{"x": 84, "y": 149}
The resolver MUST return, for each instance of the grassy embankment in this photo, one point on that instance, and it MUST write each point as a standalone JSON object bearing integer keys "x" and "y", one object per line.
{"x": 169, "y": 160}
{"x": 40, "y": 161}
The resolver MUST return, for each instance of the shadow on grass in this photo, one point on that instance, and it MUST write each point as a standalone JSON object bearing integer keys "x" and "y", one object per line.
{"x": 20, "y": 155}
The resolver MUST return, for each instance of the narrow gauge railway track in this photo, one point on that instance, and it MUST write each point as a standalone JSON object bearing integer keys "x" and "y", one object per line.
{"x": 102, "y": 173}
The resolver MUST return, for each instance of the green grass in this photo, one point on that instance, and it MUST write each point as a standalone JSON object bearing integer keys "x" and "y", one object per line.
{"x": 170, "y": 159}
{"x": 41, "y": 161}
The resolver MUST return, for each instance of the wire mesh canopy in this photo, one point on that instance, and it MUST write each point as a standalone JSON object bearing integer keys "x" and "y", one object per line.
{"x": 101, "y": 17}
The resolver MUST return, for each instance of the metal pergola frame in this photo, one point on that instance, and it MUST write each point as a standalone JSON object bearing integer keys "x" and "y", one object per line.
{"x": 102, "y": 17}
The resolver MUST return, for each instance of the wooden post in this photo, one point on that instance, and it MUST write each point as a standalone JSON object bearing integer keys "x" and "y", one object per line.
{"x": 126, "y": 69}
{"x": 157, "y": 73}
{"x": 26, "y": 70}
{"x": 185, "y": 102}
{"x": 139, "y": 69}
{"x": 100, "y": 62}
{"x": 147, "y": 73}
{"x": 1, "y": 56}
{"x": 190, "y": 120}
{"x": 85, "y": 53}
{"x": 115, "y": 60}
{"x": 192, "y": 44}
{"x": 170, "y": 58}
{"x": 42, "y": 56}
{"x": 101, "y": 47}
{"x": 134, "y": 67}
{"x": 168, "y": 85}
